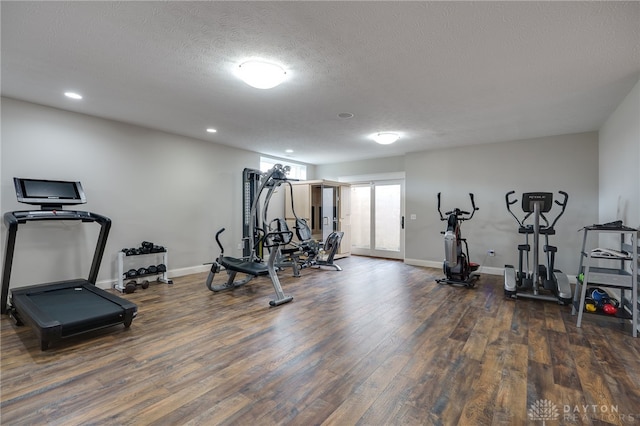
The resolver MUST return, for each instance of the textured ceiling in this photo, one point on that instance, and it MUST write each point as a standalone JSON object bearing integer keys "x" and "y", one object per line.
{"x": 442, "y": 74}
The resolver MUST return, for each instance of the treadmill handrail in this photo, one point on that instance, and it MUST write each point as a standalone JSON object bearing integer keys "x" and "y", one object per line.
{"x": 13, "y": 219}
{"x": 23, "y": 216}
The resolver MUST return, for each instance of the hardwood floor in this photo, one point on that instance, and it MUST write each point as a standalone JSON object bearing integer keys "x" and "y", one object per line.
{"x": 379, "y": 343}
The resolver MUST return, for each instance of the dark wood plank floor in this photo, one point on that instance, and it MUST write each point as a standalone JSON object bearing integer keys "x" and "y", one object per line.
{"x": 379, "y": 343}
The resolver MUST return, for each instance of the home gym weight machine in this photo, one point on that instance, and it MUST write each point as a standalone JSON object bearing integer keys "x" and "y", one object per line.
{"x": 456, "y": 266}
{"x": 257, "y": 237}
{"x": 306, "y": 253}
{"x": 534, "y": 282}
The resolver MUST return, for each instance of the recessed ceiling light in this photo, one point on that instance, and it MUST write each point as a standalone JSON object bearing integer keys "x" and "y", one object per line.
{"x": 211, "y": 130}
{"x": 385, "y": 138}
{"x": 345, "y": 115}
{"x": 73, "y": 95}
{"x": 288, "y": 151}
{"x": 261, "y": 75}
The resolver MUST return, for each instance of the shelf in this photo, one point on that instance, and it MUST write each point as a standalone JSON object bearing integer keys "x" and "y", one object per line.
{"x": 619, "y": 272}
{"x": 149, "y": 274}
{"x": 122, "y": 273}
{"x": 602, "y": 228}
{"x": 596, "y": 256}
{"x": 144, "y": 254}
{"x": 622, "y": 314}
{"x": 609, "y": 277}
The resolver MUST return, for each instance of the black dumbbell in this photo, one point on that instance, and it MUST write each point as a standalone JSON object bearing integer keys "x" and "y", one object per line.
{"x": 152, "y": 269}
{"x": 131, "y": 273}
{"x": 161, "y": 268}
{"x": 142, "y": 271}
{"x": 130, "y": 287}
{"x": 145, "y": 284}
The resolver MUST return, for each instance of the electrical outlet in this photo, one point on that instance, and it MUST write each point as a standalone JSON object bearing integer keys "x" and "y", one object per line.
{"x": 491, "y": 252}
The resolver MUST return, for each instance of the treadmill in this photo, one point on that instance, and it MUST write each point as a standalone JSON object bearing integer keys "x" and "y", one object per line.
{"x": 58, "y": 310}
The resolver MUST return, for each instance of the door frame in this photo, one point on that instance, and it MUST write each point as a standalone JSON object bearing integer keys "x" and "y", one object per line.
{"x": 383, "y": 179}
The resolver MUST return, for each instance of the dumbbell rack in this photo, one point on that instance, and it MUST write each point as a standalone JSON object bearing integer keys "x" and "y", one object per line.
{"x": 161, "y": 276}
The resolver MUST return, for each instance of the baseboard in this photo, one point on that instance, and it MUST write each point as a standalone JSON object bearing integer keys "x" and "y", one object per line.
{"x": 172, "y": 273}
{"x": 438, "y": 265}
{"x": 425, "y": 263}
{"x": 489, "y": 270}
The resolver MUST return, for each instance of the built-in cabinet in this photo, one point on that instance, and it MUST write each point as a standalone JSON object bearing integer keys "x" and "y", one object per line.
{"x": 325, "y": 205}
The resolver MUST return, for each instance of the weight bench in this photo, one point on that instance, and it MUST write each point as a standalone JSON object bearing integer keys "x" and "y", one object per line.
{"x": 251, "y": 269}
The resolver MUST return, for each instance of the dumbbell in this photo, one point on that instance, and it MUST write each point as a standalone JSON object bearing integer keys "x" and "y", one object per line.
{"x": 143, "y": 271}
{"x": 152, "y": 269}
{"x": 161, "y": 268}
{"x": 130, "y": 287}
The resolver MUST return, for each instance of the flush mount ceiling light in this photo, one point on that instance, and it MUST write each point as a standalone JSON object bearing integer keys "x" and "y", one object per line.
{"x": 73, "y": 95}
{"x": 211, "y": 130}
{"x": 386, "y": 138}
{"x": 261, "y": 75}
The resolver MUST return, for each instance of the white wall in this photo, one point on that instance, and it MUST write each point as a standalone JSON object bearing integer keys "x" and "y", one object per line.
{"x": 568, "y": 163}
{"x": 168, "y": 189}
{"x": 619, "y": 157}
{"x": 358, "y": 168}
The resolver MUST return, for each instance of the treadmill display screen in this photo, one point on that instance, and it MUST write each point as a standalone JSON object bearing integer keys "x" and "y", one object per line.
{"x": 49, "y": 193}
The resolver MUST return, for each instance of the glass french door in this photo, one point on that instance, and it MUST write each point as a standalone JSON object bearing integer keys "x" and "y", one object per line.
{"x": 377, "y": 219}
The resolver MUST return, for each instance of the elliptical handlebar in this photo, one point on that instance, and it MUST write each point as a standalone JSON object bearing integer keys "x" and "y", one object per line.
{"x": 562, "y": 204}
{"x": 509, "y": 204}
{"x": 457, "y": 211}
{"x": 473, "y": 206}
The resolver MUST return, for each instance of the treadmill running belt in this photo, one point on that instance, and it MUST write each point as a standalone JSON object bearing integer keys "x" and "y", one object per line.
{"x": 76, "y": 308}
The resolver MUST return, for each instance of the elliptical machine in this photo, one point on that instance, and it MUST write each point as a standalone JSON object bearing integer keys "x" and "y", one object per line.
{"x": 456, "y": 266}
{"x": 534, "y": 282}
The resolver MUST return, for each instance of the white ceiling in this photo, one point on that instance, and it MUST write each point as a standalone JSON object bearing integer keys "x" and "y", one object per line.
{"x": 442, "y": 74}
